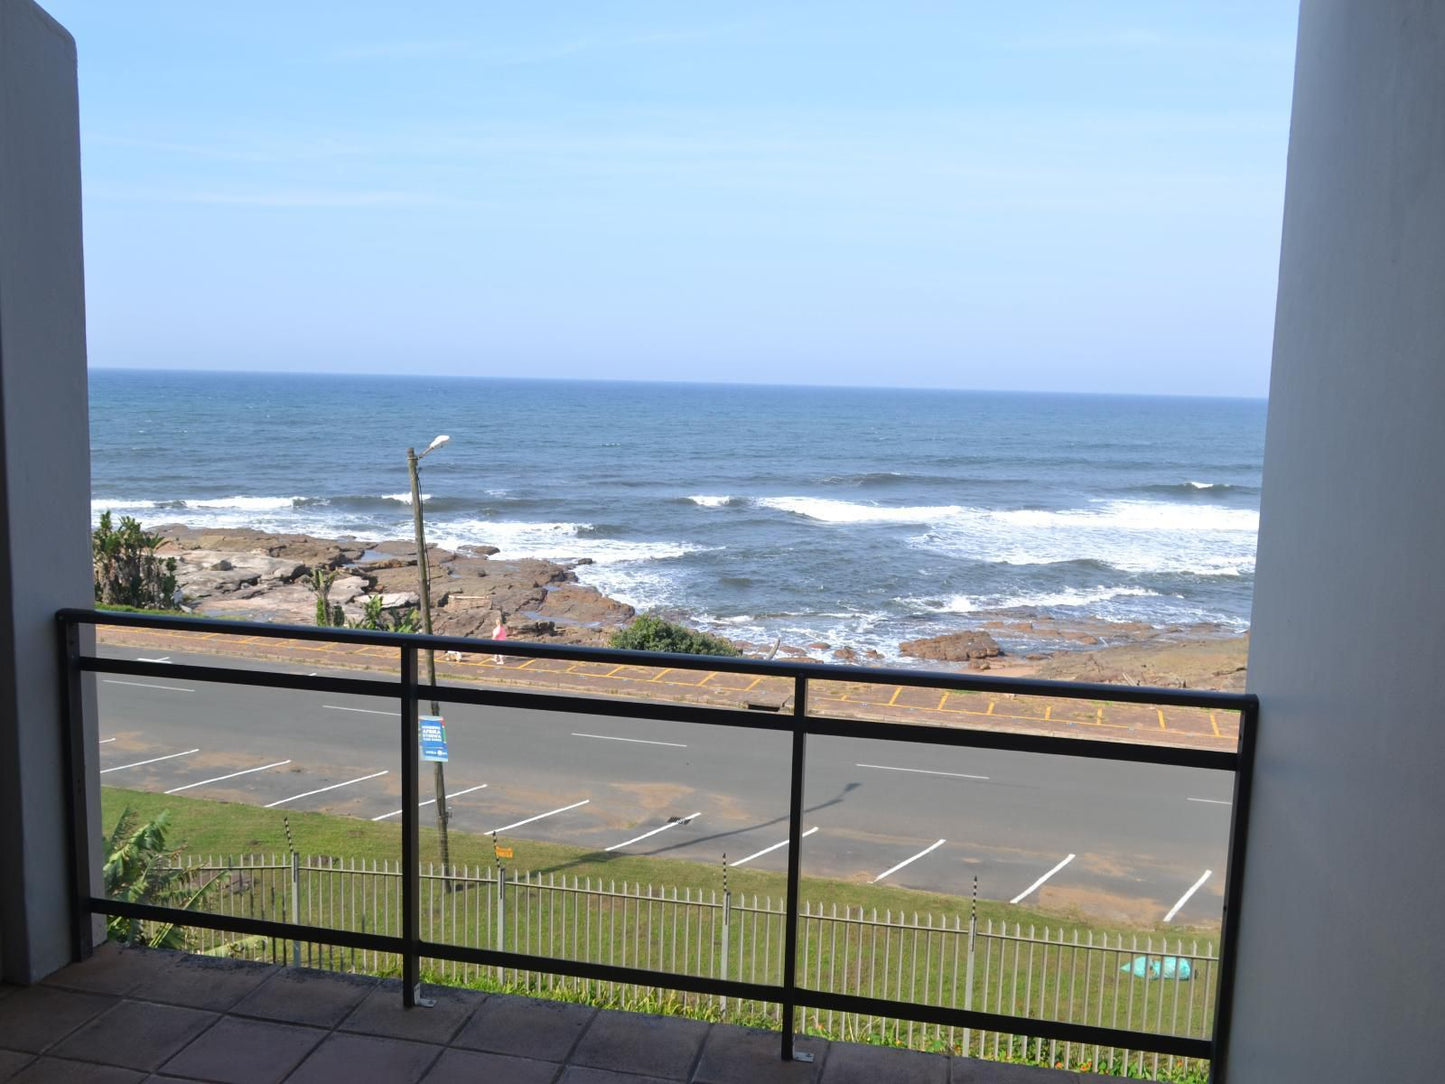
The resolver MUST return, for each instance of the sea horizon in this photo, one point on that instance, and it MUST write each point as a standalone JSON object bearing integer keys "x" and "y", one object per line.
{"x": 853, "y": 516}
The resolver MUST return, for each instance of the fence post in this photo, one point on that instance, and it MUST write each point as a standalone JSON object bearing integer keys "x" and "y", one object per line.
{"x": 726, "y": 916}
{"x": 501, "y": 918}
{"x": 968, "y": 966}
{"x": 295, "y": 904}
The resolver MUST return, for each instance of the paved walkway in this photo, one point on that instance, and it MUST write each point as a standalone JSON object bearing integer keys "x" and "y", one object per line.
{"x": 881, "y": 702}
{"x": 137, "y": 1015}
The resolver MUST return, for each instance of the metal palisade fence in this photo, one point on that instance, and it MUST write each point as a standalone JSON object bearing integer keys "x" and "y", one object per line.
{"x": 1147, "y": 983}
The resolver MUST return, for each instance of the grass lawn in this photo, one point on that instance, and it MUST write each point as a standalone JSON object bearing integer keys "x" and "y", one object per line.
{"x": 218, "y": 829}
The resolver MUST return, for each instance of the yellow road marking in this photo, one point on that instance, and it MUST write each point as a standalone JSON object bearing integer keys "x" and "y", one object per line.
{"x": 665, "y": 670}
{"x": 753, "y": 684}
{"x": 894, "y": 698}
{"x": 708, "y": 677}
{"x": 941, "y": 701}
{"x": 1048, "y": 712}
{"x": 991, "y": 705}
{"x": 1099, "y": 716}
{"x": 1160, "y": 712}
{"x": 1215, "y": 724}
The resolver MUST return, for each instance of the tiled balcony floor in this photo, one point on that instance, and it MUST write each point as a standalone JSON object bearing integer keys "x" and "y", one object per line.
{"x": 137, "y": 1015}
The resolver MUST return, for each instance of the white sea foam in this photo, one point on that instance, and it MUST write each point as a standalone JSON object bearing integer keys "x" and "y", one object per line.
{"x": 826, "y": 510}
{"x": 123, "y": 505}
{"x": 1206, "y": 485}
{"x": 404, "y": 498}
{"x": 244, "y": 504}
{"x": 1132, "y": 536}
{"x": 1068, "y": 596}
{"x": 709, "y": 501}
{"x": 554, "y": 541}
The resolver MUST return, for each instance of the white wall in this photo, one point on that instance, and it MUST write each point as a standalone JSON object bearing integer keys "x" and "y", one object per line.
{"x": 1342, "y": 942}
{"x": 44, "y": 474}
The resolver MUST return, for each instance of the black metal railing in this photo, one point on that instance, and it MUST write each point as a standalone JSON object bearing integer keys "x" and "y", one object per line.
{"x": 795, "y": 720}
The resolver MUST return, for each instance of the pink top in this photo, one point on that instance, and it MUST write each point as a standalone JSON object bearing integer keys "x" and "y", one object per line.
{"x": 500, "y": 632}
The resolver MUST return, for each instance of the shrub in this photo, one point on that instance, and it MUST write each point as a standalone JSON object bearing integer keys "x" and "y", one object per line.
{"x": 651, "y": 633}
{"x": 128, "y": 571}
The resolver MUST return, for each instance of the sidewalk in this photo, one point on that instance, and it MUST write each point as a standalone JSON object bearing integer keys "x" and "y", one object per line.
{"x": 1147, "y": 724}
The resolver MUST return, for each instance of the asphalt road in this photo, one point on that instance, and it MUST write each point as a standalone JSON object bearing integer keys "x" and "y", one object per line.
{"x": 926, "y": 817}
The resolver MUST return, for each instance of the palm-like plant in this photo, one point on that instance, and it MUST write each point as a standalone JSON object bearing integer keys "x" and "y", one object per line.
{"x": 140, "y": 868}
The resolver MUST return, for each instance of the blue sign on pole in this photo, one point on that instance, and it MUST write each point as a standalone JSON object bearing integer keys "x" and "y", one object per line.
{"x": 433, "y": 738}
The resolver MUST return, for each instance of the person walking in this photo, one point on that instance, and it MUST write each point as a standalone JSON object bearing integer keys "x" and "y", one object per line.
{"x": 500, "y": 633}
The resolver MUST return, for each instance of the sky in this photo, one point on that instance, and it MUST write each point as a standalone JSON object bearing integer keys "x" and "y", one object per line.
{"x": 1039, "y": 195}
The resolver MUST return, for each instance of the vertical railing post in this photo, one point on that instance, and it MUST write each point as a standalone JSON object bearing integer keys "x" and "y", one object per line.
{"x": 82, "y": 940}
{"x": 410, "y": 839}
{"x": 795, "y": 859}
{"x": 1233, "y": 891}
{"x": 295, "y": 903}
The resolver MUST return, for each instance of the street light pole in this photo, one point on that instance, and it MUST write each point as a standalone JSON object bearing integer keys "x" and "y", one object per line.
{"x": 422, "y": 564}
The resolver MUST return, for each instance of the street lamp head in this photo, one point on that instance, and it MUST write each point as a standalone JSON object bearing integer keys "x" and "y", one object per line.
{"x": 438, "y": 442}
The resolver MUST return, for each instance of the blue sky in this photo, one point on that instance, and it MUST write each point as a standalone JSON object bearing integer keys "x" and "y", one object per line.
{"x": 1061, "y": 196}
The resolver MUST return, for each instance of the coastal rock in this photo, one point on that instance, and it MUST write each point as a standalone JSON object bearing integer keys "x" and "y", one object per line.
{"x": 953, "y": 647}
{"x": 572, "y": 603}
{"x": 398, "y": 599}
{"x": 845, "y": 654}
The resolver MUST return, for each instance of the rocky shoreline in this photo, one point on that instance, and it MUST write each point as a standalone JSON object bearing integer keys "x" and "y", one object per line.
{"x": 257, "y": 575}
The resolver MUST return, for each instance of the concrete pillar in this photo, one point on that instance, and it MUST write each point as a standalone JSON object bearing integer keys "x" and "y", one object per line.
{"x": 1341, "y": 952}
{"x": 44, "y": 474}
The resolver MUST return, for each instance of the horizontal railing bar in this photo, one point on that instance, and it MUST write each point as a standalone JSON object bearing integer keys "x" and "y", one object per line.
{"x": 578, "y": 704}
{"x": 209, "y": 920}
{"x": 1152, "y": 1042}
{"x": 225, "y": 675}
{"x": 1046, "y": 744}
{"x": 1068, "y": 690}
{"x": 583, "y": 969}
{"x": 1013, "y": 741}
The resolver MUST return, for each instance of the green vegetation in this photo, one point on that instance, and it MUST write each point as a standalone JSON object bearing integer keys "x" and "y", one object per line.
{"x": 128, "y": 571}
{"x": 327, "y": 615}
{"x": 651, "y": 633}
{"x": 140, "y": 868}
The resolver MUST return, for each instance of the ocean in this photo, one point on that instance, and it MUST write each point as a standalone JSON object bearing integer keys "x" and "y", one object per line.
{"x": 847, "y": 516}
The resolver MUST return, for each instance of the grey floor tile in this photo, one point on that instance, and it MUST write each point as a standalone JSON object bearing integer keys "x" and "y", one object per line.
{"x": 136, "y": 1035}
{"x": 364, "y": 1059}
{"x": 37, "y": 1016}
{"x": 471, "y": 1066}
{"x": 319, "y": 998}
{"x": 204, "y": 982}
{"x": 526, "y": 1027}
{"x": 12, "y": 1061}
{"x": 855, "y": 1063}
{"x": 584, "y": 1074}
{"x": 380, "y": 1013}
{"x": 736, "y": 1055}
{"x": 979, "y": 1071}
{"x": 113, "y": 969}
{"x": 238, "y": 1051}
{"x": 658, "y": 1046}
{"x": 49, "y": 1070}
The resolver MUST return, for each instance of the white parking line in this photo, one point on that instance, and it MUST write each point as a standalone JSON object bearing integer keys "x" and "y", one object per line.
{"x": 770, "y": 850}
{"x": 1210, "y": 801}
{"x": 153, "y": 760}
{"x": 539, "y": 816}
{"x": 906, "y": 861}
{"x": 148, "y": 685}
{"x": 104, "y": 741}
{"x": 639, "y": 741}
{"x": 432, "y": 801}
{"x": 1185, "y": 898}
{"x": 664, "y": 828}
{"x": 223, "y": 778}
{"x": 163, "y": 658}
{"x": 1042, "y": 879}
{"x": 323, "y": 790}
{"x": 920, "y": 771}
{"x": 365, "y": 711}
